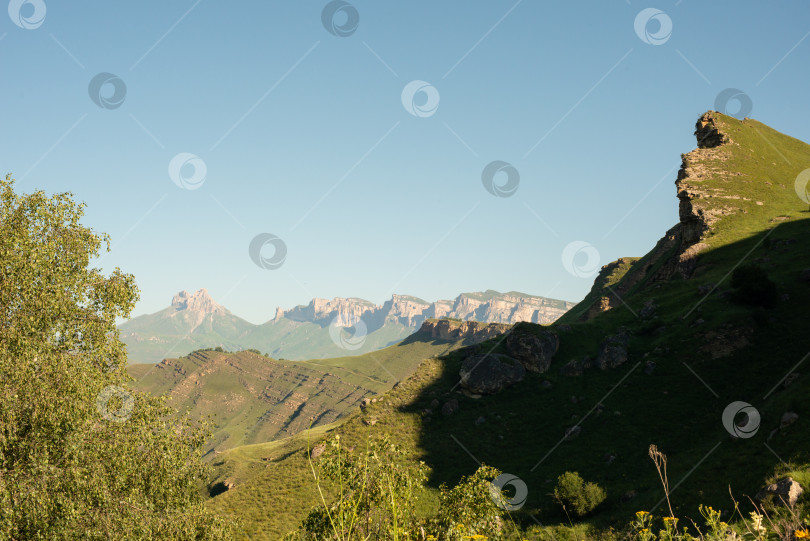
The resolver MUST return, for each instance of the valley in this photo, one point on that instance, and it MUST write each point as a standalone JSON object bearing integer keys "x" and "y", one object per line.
{"x": 653, "y": 355}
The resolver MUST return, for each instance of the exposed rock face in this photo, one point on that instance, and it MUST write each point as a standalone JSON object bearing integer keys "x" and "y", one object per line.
{"x": 490, "y": 373}
{"x": 489, "y": 306}
{"x": 613, "y": 352}
{"x": 150, "y": 336}
{"x": 195, "y": 308}
{"x": 446, "y": 329}
{"x": 725, "y": 340}
{"x": 200, "y": 301}
{"x": 701, "y": 205}
{"x": 785, "y": 491}
{"x": 317, "y": 450}
{"x": 322, "y": 311}
{"x": 788, "y": 418}
{"x": 574, "y": 367}
{"x": 534, "y": 351}
{"x": 450, "y": 407}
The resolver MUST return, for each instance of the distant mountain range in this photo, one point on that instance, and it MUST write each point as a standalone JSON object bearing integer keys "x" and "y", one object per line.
{"x": 322, "y": 328}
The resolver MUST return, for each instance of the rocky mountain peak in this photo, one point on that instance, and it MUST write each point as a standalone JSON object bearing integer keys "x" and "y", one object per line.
{"x": 200, "y": 302}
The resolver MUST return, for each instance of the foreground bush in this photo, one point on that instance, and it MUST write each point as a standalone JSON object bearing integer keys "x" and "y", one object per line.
{"x": 577, "y": 496}
{"x": 759, "y": 526}
{"x": 753, "y": 286}
{"x": 377, "y": 490}
{"x": 81, "y": 456}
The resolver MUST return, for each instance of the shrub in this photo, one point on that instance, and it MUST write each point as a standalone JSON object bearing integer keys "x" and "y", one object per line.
{"x": 467, "y": 509}
{"x": 753, "y": 286}
{"x": 376, "y": 491}
{"x": 576, "y": 495}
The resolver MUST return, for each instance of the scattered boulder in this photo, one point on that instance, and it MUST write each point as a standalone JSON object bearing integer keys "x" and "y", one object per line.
{"x": 574, "y": 367}
{"x": 490, "y": 373}
{"x": 784, "y": 491}
{"x": 481, "y": 420}
{"x": 434, "y": 403}
{"x": 705, "y": 289}
{"x": 369, "y": 422}
{"x": 545, "y": 385}
{"x": 627, "y": 496}
{"x": 365, "y": 403}
{"x": 788, "y": 418}
{"x": 450, "y": 407}
{"x": 317, "y": 451}
{"x": 648, "y": 311}
{"x": 609, "y": 458}
{"x": 649, "y": 367}
{"x": 565, "y": 327}
{"x": 613, "y": 352}
{"x": 572, "y": 432}
{"x": 468, "y": 394}
{"x": 790, "y": 378}
{"x": 534, "y": 351}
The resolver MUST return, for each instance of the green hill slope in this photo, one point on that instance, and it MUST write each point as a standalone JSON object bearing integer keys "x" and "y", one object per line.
{"x": 685, "y": 344}
{"x": 253, "y": 398}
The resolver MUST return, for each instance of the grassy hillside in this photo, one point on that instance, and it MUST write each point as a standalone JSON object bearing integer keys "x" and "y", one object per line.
{"x": 695, "y": 344}
{"x": 253, "y": 398}
{"x": 299, "y": 340}
{"x": 282, "y": 338}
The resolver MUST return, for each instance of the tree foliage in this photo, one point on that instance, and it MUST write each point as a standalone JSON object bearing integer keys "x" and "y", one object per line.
{"x": 753, "y": 286}
{"x": 81, "y": 455}
{"x": 576, "y": 495}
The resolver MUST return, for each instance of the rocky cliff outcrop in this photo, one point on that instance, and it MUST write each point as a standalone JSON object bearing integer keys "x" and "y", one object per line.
{"x": 200, "y": 301}
{"x": 490, "y": 373}
{"x": 472, "y": 331}
{"x": 534, "y": 350}
{"x": 195, "y": 308}
{"x": 701, "y": 205}
{"x": 489, "y": 306}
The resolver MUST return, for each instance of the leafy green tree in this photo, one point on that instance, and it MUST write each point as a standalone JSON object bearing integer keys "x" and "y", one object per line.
{"x": 81, "y": 455}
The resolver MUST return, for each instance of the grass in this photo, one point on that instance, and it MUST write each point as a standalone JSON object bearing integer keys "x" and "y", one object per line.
{"x": 253, "y": 398}
{"x": 708, "y": 351}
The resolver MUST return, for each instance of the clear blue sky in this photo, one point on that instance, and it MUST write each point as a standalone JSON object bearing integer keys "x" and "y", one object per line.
{"x": 304, "y": 134}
